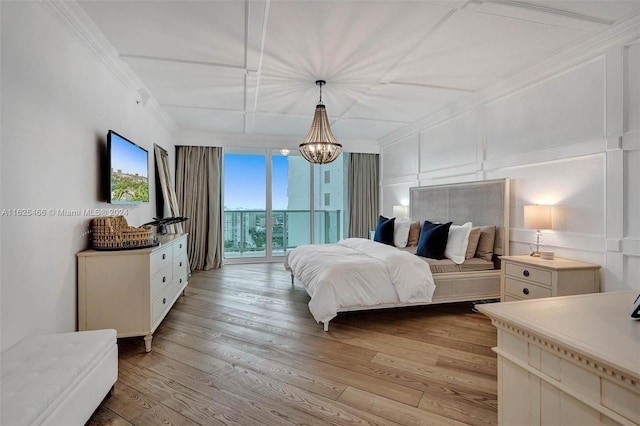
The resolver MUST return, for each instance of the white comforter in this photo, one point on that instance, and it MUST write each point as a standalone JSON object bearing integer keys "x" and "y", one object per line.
{"x": 357, "y": 272}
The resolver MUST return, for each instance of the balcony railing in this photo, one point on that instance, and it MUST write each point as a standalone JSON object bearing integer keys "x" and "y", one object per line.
{"x": 245, "y": 231}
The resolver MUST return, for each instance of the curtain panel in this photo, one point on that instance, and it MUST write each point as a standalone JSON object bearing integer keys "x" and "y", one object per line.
{"x": 199, "y": 192}
{"x": 363, "y": 185}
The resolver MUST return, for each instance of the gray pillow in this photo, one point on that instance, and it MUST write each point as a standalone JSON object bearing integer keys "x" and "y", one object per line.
{"x": 485, "y": 243}
{"x": 474, "y": 238}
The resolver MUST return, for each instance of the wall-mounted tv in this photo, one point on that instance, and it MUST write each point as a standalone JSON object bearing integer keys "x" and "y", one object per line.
{"x": 128, "y": 171}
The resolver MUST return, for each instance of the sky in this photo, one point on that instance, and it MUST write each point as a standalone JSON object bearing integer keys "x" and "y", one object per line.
{"x": 129, "y": 158}
{"x": 245, "y": 182}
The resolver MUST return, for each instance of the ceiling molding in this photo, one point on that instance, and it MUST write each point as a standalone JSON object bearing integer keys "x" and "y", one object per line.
{"x": 552, "y": 11}
{"x": 78, "y": 23}
{"x": 623, "y": 33}
{"x": 229, "y": 140}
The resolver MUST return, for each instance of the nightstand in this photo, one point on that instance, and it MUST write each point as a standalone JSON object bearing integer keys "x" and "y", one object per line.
{"x": 527, "y": 277}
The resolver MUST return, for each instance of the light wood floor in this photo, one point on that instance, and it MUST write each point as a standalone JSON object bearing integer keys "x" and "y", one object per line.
{"x": 242, "y": 348}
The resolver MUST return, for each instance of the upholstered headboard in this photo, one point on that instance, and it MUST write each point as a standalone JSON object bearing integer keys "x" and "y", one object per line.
{"x": 483, "y": 203}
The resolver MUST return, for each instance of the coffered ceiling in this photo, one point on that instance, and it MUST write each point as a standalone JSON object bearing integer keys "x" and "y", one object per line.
{"x": 249, "y": 67}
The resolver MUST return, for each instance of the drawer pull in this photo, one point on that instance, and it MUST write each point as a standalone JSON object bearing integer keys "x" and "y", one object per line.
{"x": 164, "y": 256}
{"x": 180, "y": 280}
{"x": 164, "y": 300}
{"x": 180, "y": 263}
{"x": 525, "y": 273}
{"x": 164, "y": 279}
{"x": 525, "y": 290}
{"x": 180, "y": 245}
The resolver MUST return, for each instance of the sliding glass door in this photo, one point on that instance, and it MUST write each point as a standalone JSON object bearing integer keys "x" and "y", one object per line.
{"x": 245, "y": 207}
{"x": 269, "y": 197}
{"x": 290, "y": 195}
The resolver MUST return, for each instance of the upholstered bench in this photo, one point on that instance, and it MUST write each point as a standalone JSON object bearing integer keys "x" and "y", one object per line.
{"x": 58, "y": 379}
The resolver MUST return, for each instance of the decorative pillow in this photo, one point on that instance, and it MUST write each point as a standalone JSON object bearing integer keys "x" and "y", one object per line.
{"x": 474, "y": 237}
{"x": 457, "y": 242}
{"x": 485, "y": 243}
{"x": 433, "y": 240}
{"x": 401, "y": 231}
{"x": 384, "y": 230}
{"x": 414, "y": 234}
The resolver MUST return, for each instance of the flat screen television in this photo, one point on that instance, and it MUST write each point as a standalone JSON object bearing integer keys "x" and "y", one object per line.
{"x": 128, "y": 171}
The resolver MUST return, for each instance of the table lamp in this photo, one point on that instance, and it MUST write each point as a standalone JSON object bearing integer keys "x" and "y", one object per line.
{"x": 400, "y": 211}
{"x": 537, "y": 217}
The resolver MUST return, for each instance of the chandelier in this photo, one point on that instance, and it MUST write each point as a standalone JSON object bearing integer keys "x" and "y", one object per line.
{"x": 320, "y": 147}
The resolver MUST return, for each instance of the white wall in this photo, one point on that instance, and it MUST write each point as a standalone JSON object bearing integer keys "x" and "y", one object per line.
{"x": 570, "y": 139}
{"x": 58, "y": 102}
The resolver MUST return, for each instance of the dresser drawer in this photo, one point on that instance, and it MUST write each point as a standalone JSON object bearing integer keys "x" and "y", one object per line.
{"x": 179, "y": 248}
{"x": 161, "y": 304}
{"x": 160, "y": 258}
{"x": 525, "y": 290}
{"x": 180, "y": 271}
{"x": 160, "y": 280}
{"x": 528, "y": 273}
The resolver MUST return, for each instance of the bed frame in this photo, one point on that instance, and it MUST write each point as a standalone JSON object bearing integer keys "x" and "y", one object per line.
{"x": 483, "y": 203}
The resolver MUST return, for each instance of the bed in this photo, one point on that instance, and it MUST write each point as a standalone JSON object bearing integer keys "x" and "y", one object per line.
{"x": 395, "y": 277}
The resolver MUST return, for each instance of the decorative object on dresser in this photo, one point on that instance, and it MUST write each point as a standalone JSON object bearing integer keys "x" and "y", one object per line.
{"x": 569, "y": 360}
{"x": 114, "y": 233}
{"x": 162, "y": 224}
{"x": 131, "y": 291}
{"x": 537, "y": 217}
{"x": 526, "y": 277}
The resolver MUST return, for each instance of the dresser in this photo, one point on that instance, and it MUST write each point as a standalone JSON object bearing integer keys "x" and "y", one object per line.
{"x": 131, "y": 291}
{"x": 572, "y": 360}
{"x": 526, "y": 277}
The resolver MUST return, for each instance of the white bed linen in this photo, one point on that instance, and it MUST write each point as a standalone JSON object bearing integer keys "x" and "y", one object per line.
{"x": 358, "y": 272}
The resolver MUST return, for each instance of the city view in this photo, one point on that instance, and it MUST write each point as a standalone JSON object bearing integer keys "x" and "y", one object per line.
{"x": 245, "y": 228}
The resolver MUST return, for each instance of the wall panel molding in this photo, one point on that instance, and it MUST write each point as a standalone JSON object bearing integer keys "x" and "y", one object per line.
{"x": 569, "y": 151}
{"x": 564, "y": 240}
{"x": 450, "y": 171}
{"x": 624, "y": 33}
{"x": 630, "y": 142}
{"x": 400, "y": 180}
{"x": 631, "y": 247}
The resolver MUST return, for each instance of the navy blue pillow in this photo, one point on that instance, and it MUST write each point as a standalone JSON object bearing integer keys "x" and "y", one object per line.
{"x": 433, "y": 240}
{"x": 384, "y": 230}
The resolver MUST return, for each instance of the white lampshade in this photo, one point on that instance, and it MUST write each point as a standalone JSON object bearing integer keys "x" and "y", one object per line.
{"x": 537, "y": 216}
{"x": 400, "y": 211}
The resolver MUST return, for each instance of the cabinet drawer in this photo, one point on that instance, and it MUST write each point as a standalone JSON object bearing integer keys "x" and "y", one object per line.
{"x": 525, "y": 290}
{"x": 161, "y": 258}
{"x": 180, "y": 271}
{"x": 161, "y": 304}
{"x": 179, "y": 248}
{"x": 160, "y": 280}
{"x": 528, "y": 273}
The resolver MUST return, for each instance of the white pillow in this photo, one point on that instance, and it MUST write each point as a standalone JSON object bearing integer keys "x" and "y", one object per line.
{"x": 457, "y": 242}
{"x": 401, "y": 231}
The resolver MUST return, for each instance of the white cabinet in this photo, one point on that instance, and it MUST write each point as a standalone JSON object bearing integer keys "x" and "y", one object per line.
{"x": 572, "y": 360}
{"x": 527, "y": 277}
{"x": 131, "y": 290}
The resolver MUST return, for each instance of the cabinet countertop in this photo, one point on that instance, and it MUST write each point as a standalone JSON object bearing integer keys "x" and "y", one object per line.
{"x": 597, "y": 325}
{"x": 162, "y": 239}
{"x": 555, "y": 264}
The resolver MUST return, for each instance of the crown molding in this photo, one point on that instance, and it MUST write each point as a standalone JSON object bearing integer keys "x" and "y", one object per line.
{"x": 624, "y": 33}
{"x": 71, "y": 15}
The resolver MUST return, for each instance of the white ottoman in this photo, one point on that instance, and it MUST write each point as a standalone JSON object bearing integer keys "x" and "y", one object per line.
{"x": 57, "y": 379}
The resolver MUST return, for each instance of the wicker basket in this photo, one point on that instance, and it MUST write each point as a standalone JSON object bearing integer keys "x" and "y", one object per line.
{"x": 114, "y": 233}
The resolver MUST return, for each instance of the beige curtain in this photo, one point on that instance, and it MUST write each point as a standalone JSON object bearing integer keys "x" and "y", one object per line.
{"x": 199, "y": 191}
{"x": 363, "y": 194}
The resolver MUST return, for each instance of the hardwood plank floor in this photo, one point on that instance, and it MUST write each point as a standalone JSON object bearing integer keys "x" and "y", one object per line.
{"x": 242, "y": 348}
